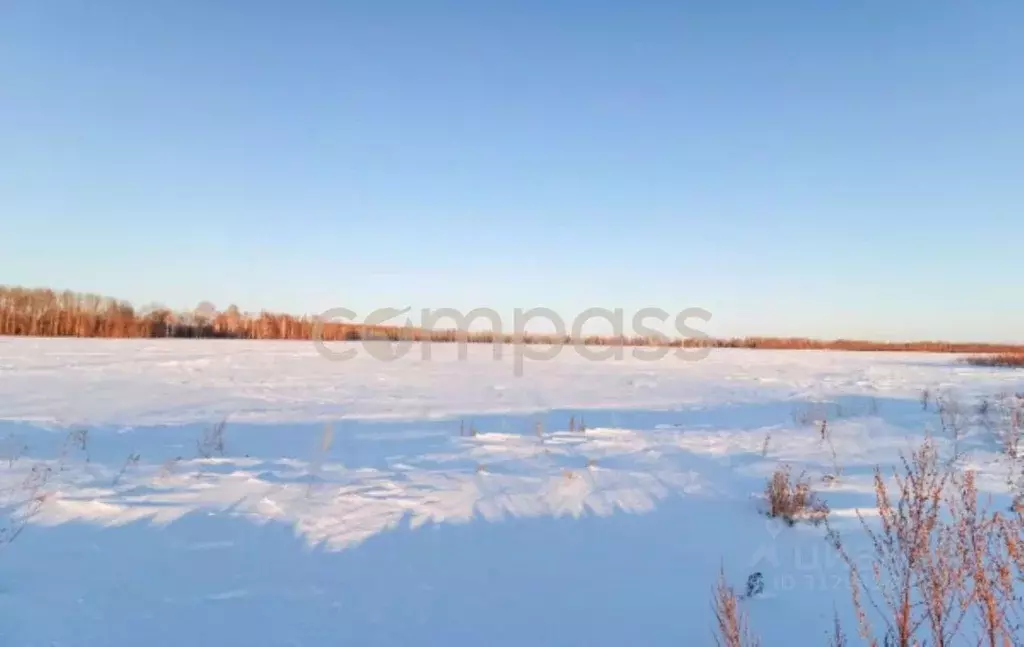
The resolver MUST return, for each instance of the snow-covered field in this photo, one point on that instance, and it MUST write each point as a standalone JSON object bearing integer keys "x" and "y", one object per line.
{"x": 353, "y": 504}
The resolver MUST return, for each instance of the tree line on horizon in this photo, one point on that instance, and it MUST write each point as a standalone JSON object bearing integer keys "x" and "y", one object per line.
{"x": 41, "y": 312}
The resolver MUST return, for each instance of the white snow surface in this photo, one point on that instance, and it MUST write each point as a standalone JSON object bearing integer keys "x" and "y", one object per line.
{"x": 439, "y": 500}
{"x": 140, "y": 382}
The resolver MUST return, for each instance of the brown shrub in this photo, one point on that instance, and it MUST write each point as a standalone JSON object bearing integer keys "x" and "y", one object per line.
{"x": 1008, "y": 360}
{"x": 793, "y": 500}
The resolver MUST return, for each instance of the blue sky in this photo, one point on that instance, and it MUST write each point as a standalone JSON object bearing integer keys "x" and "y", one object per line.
{"x": 808, "y": 168}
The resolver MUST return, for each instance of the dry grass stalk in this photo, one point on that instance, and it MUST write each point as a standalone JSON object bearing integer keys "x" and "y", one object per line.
{"x": 954, "y": 423}
{"x": 169, "y": 466}
{"x": 826, "y": 435}
{"x": 32, "y": 499}
{"x": 131, "y": 461}
{"x": 873, "y": 406}
{"x": 14, "y": 449}
{"x": 837, "y": 638}
{"x": 732, "y": 628}
{"x": 987, "y": 556}
{"x": 212, "y": 441}
{"x": 77, "y": 439}
{"x": 317, "y": 464}
{"x": 471, "y": 432}
{"x": 1009, "y": 416}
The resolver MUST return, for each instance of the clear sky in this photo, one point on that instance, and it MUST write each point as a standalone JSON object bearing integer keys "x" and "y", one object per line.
{"x": 826, "y": 169}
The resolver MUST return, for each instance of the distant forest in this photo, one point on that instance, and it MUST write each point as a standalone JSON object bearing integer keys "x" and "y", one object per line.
{"x": 48, "y": 313}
